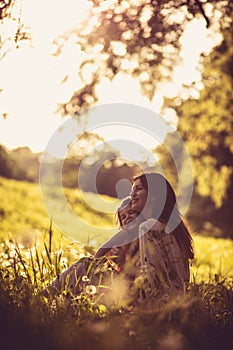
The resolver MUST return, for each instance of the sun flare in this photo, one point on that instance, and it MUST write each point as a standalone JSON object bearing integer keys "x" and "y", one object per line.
{"x": 34, "y": 80}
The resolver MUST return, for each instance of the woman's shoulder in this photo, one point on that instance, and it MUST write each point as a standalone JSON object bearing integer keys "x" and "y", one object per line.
{"x": 151, "y": 225}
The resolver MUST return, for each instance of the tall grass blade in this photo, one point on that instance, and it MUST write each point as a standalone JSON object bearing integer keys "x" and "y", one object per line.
{"x": 48, "y": 254}
{"x": 33, "y": 267}
{"x": 17, "y": 250}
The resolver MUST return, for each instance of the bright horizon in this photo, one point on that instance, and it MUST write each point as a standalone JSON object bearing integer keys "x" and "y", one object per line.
{"x": 31, "y": 77}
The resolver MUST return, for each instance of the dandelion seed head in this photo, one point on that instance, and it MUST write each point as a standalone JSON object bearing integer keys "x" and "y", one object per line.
{"x": 91, "y": 289}
{"x": 85, "y": 279}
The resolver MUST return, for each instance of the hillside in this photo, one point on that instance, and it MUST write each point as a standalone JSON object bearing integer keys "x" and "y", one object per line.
{"x": 37, "y": 252}
{"x": 23, "y": 216}
{"x": 25, "y": 220}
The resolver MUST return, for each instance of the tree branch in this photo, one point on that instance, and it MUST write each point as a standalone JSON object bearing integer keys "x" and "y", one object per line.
{"x": 199, "y": 4}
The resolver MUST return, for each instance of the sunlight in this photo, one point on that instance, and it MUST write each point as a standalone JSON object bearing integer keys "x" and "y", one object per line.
{"x": 202, "y": 41}
{"x": 35, "y": 87}
{"x": 118, "y": 48}
{"x": 129, "y": 140}
{"x": 51, "y": 18}
{"x": 40, "y": 80}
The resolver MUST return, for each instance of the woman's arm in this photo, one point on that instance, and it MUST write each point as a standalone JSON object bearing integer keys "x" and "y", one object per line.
{"x": 119, "y": 239}
{"x": 127, "y": 234}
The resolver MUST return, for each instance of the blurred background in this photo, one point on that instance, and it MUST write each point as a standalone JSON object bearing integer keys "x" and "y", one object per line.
{"x": 60, "y": 59}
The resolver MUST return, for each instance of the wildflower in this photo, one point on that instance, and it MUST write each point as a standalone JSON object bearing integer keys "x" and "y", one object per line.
{"x": 102, "y": 309}
{"x": 90, "y": 289}
{"x": 85, "y": 279}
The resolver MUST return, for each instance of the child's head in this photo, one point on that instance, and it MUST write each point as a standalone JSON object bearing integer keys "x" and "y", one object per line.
{"x": 125, "y": 214}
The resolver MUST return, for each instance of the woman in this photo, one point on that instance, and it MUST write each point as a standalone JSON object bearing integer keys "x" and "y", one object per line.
{"x": 165, "y": 243}
{"x": 151, "y": 252}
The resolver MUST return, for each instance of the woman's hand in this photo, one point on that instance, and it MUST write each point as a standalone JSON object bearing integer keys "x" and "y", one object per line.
{"x": 120, "y": 238}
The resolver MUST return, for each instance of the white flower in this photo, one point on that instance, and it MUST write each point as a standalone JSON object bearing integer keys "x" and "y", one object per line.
{"x": 85, "y": 279}
{"x": 90, "y": 289}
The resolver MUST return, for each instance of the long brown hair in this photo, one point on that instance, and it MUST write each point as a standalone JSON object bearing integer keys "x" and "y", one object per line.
{"x": 163, "y": 199}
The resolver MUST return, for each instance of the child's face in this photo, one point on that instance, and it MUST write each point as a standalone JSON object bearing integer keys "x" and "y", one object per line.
{"x": 127, "y": 215}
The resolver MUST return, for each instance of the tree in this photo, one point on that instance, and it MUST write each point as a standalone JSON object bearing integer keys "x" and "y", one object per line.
{"x": 138, "y": 37}
{"x": 5, "y": 163}
{"x": 206, "y": 126}
{"x": 10, "y": 11}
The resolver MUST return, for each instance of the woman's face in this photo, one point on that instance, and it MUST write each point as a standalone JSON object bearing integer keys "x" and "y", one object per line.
{"x": 139, "y": 196}
{"x": 127, "y": 215}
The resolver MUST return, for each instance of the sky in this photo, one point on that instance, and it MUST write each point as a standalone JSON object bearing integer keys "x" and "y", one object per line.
{"x": 31, "y": 78}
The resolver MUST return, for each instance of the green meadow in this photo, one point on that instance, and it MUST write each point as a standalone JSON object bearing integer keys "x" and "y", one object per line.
{"x": 24, "y": 216}
{"x": 33, "y": 250}
{"x": 25, "y": 220}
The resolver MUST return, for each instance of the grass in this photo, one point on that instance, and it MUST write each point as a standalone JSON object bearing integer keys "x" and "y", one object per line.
{"x": 23, "y": 216}
{"x": 33, "y": 251}
{"x": 202, "y": 319}
{"x": 214, "y": 259}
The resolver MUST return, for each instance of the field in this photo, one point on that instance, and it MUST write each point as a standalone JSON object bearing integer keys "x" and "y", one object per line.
{"x": 33, "y": 250}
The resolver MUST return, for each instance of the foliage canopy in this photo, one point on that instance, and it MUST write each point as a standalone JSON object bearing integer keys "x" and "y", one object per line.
{"x": 137, "y": 37}
{"x": 206, "y": 124}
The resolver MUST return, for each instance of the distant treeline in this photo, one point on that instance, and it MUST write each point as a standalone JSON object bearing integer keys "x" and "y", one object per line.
{"x": 22, "y": 164}
{"x": 19, "y": 164}
{"x": 102, "y": 173}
